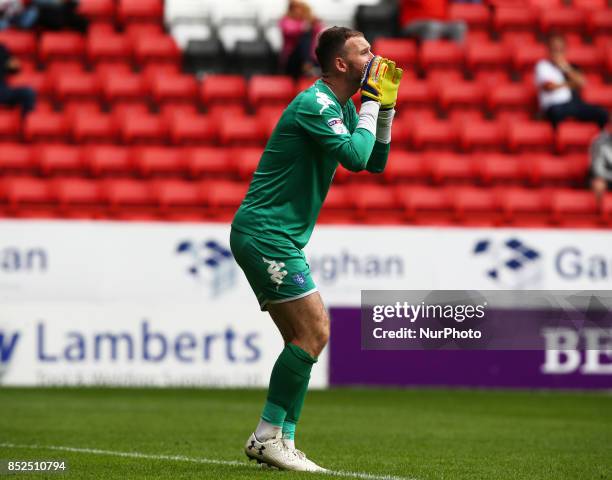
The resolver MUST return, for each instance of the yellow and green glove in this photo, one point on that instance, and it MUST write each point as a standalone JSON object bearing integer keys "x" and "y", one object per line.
{"x": 380, "y": 82}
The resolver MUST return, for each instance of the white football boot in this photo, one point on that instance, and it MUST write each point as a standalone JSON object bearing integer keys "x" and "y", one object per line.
{"x": 313, "y": 466}
{"x": 274, "y": 453}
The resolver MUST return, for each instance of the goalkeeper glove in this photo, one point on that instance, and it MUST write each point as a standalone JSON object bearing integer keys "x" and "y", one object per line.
{"x": 371, "y": 81}
{"x": 390, "y": 82}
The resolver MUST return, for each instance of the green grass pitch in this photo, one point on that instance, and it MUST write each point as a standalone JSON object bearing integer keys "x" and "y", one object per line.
{"x": 415, "y": 434}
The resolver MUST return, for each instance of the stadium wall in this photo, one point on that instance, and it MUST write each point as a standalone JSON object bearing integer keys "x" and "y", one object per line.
{"x": 120, "y": 303}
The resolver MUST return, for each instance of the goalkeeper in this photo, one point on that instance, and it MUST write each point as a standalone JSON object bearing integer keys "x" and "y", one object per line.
{"x": 319, "y": 130}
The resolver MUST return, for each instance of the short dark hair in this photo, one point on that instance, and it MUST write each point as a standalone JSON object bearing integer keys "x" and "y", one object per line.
{"x": 330, "y": 45}
{"x": 553, "y": 35}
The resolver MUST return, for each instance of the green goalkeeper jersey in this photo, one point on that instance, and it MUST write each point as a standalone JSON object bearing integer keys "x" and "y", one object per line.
{"x": 314, "y": 134}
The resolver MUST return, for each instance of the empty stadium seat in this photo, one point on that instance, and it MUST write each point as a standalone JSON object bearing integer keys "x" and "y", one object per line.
{"x": 574, "y": 207}
{"x": 77, "y": 86}
{"x": 103, "y": 160}
{"x": 127, "y": 193}
{"x": 224, "y": 198}
{"x": 10, "y": 125}
{"x": 77, "y": 193}
{"x": 530, "y": 136}
{"x": 46, "y": 126}
{"x": 574, "y": 136}
{"x": 61, "y": 46}
{"x": 142, "y": 128}
{"x": 374, "y": 203}
{"x": 489, "y": 55}
{"x": 404, "y": 165}
{"x": 20, "y": 43}
{"x": 97, "y": 10}
{"x": 476, "y": 15}
{"x": 174, "y": 88}
{"x": 156, "y": 49}
{"x": 26, "y": 191}
{"x": 423, "y": 204}
{"x": 58, "y": 159}
{"x": 599, "y": 95}
{"x": 94, "y": 127}
{"x": 514, "y": 18}
{"x": 414, "y": 94}
{"x": 441, "y": 54}
{"x": 207, "y": 161}
{"x": 402, "y": 51}
{"x": 179, "y": 194}
{"x": 562, "y": 20}
{"x": 463, "y": 95}
{"x": 473, "y": 204}
{"x": 108, "y": 47}
{"x": 451, "y": 168}
{"x": 270, "y": 89}
{"x": 511, "y": 96}
{"x": 522, "y": 206}
{"x": 150, "y": 161}
{"x": 245, "y": 161}
{"x": 241, "y": 131}
{"x": 193, "y": 129}
{"x": 434, "y": 134}
{"x": 132, "y": 11}
{"x": 15, "y": 158}
{"x": 548, "y": 169}
{"x": 480, "y": 136}
{"x": 223, "y": 89}
{"x": 499, "y": 168}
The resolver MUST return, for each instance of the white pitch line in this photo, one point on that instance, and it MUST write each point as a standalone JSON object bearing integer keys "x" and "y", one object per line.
{"x": 181, "y": 458}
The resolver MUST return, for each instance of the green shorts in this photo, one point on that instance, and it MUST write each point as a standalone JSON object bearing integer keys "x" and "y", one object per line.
{"x": 276, "y": 269}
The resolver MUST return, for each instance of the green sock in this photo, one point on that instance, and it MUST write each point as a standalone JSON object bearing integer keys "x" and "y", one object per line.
{"x": 293, "y": 414}
{"x": 288, "y": 384}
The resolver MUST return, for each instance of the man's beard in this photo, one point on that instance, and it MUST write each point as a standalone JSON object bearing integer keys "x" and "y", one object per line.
{"x": 355, "y": 74}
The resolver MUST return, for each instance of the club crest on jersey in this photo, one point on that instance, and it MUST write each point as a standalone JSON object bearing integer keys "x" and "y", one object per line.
{"x": 324, "y": 100}
{"x": 337, "y": 126}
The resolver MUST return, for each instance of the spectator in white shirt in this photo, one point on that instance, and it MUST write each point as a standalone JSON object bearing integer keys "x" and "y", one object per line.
{"x": 558, "y": 85}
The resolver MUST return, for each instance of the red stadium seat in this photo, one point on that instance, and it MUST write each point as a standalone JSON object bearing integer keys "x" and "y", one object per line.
{"x": 94, "y": 127}
{"x": 78, "y": 193}
{"x": 150, "y": 161}
{"x": 103, "y": 160}
{"x": 599, "y": 21}
{"x": 170, "y": 110}
{"x": 587, "y": 58}
{"x": 179, "y": 195}
{"x": 475, "y": 15}
{"x": 223, "y": 89}
{"x": 337, "y": 208}
{"x": 241, "y": 131}
{"x": 122, "y": 86}
{"x": 476, "y": 204}
{"x": 548, "y": 169}
{"x": 451, "y": 168}
{"x": 404, "y": 166}
{"x": 132, "y": 11}
{"x": 497, "y": 168}
{"x": 521, "y": 206}
{"x": 40, "y": 82}
{"x": 434, "y": 135}
{"x": 464, "y": 95}
{"x": 481, "y": 136}
{"x": 489, "y": 55}
{"x": 224, "y": 197}
{"x": 402, "y": 51}
{"x": 270, "y": 89}
{"x": 524, "y": 59}
{"x": 58, "y": 159}
{"x": 530, "y": 136}
{"x": 174, "y": 88}
{"x": 108, "y": 47}
{"x": 606, "y": 208}
{"x": 414, "y": 94}
{"x": 374, "y": 203}
{"x": 156, "y": 49}
{"x": 574, "y": 206}
{"x": 268, "y": 116}
{"x": 562, "y": 20}
{"x": 127, "y": 193}
{"x": 61, "y": 46}
{"x": 15, "y": 158}
{"x": 574, "y": 136}
{"x": 26, "y": 191}
{"x": 207, "y": 161}
{"x": 521, "y": 18}
{"x": 142, "y": 128}
{"x": 441, "y": 54}
{"x": 511, "y": 96}
{"x": 77, "y": 86}
{"x": 46, "y": 126}
{"x": 245, "y": 161}
{"x": 10, "y": 125}
{"x": 98, "y": 10}
{"x": 193, "y": 129}
{"x": 599, "y": 95}
{"x": 20, "y": 43}
{"x": 425, "y": 204}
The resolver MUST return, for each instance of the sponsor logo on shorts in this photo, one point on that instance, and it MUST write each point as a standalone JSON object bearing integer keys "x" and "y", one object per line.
{"x": 275, "y": 270}
{"x": 299, "y": 279}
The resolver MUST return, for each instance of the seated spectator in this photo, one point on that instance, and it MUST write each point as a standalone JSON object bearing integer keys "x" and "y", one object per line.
{"x": 25, "y": 97}
{"x": 299, "y": 28}
{"x": 60, "y": 15}
{"x": 428, "y": 20}
{"x": 601, "y": 163}
{"x": 14, "y": 14}
{"x": 559, "y": 85}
